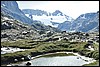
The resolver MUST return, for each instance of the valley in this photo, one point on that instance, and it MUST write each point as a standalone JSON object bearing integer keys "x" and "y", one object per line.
{"x": 31, "y": 37}
{"x": 51, "y": 45}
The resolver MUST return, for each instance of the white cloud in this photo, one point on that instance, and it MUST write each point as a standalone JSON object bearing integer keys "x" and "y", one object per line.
{"x": 71, "y": 8}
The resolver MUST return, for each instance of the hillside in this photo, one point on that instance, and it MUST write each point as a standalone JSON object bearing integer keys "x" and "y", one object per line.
{"x": 12, "y": 29}
{"x": 88, "y": 22}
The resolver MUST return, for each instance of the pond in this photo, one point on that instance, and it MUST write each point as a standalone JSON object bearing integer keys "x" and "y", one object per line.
{"x": 60, "y": 61}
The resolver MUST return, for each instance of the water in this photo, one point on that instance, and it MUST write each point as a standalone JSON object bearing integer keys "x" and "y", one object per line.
{"x": 59, "y": 61}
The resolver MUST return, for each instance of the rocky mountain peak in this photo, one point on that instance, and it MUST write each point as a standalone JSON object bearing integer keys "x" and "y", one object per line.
{"x": 11, "y": 8}
{"x": 12, "y": 5}
{"x": 57, "y": 13}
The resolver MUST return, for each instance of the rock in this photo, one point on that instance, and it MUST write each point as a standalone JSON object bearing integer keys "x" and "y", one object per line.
{"x": 22, "y": 58}
{"x": 15, "y": 60}
{"x": 86, "y": 60}
{"x": 28, "y": 63}
{"x": 9, "y": 65}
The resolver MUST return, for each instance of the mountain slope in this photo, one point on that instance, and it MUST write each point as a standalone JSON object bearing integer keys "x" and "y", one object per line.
{"x": 12, "y": 29}
{"x": 11, "y": 8}
{"x": 86, "y": 22}
{"x": 65, "y": 26}
{"x": 47, "y": 18}
{"x": 16, "y": 13}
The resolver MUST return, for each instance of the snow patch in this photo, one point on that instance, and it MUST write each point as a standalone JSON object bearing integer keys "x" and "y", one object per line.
{"x": 3, "y": 5}
{"x": 83, "y": 17}
{"x": 46, "y": 20}
{"x": 6, "y": 18}
{"x": 5, "y": 50}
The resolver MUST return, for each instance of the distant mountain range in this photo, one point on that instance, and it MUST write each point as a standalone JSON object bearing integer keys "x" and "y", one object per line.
{"x": 47, "y": 18}
{"x": 88, "y": 22}
{"x": 84, "y": 23}
{"x": 15, "y": 25}
{"x": 16, "y": 13}
{"x": 40, "y": 19}
{"x": 38, "y": 12}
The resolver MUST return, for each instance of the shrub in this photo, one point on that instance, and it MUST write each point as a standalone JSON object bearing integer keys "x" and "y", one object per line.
{"x": 75, "y": 50}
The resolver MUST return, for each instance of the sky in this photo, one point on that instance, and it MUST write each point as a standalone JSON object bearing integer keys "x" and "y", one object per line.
{"x": 70, "y": 8}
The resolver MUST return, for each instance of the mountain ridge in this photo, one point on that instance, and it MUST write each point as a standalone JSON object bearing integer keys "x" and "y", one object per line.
{"x": 41, "y": 19}
{"x": 15, "y": 12}
{"x": 47, "y": 18}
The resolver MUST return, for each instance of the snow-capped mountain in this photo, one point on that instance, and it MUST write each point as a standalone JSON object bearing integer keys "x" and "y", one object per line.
{"x": 86, "y": 22}
{"x": 40, "y": 19}
{"x": 58, "y": 13}
{"x": 47, "y": 18}
{"x": 11, "y": 9}
{"x": 36, "y": 12}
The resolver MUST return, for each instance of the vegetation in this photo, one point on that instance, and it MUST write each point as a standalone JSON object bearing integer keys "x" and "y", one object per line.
{"x": 21, "y": 44}
{"x": 58, "y": 54}
{"x": 41, "y": 47}
{"x": 96, "y": 63}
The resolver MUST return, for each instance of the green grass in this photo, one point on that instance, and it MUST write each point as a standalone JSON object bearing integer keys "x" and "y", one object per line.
{"x": 96, "y": 46}
{"x": 20, "y": 44}
{"x": 96, "y": 63}
{"x": 42, "y": 46}
{"x": 58, "y": 54}
{"x": 38, "y": 47}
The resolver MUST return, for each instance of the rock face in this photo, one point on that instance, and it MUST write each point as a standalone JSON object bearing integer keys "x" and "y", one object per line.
{"x": 12, "y": 29}
{"x": 15, "y": 13}
{"x": 11, "y": 8}
{"x": 57, "y": 13}
{"x": 46, "y": 21}
{"x": 65, "y": 26}
{"x": 88, "y": 22}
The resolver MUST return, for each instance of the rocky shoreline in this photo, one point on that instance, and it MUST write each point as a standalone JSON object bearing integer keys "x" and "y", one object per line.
{"x": 87, "y": 59}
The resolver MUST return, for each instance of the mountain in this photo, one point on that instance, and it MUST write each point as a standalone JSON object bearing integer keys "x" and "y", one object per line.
{"x": 36, "y": 12}
{"x": 57, "y": 13}
{"x": 17, "y": 14}
{"x": 86, "y": 22}
{"x": 11, "y": 8}
{"x": 47, "y": 18}
{"x": 42, "y": 20}
{"x": 12, "y": 29}
{"x": 65, "y": 26}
